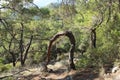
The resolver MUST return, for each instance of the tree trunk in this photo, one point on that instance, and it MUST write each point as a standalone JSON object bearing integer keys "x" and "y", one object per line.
{"x": 72, "y": 41}
{"x": 21, "y": 46}
{"x": 26, "y": 51}
{"x": 13, "y": 59}
{"x": 93, "y": 38}
{"x": 50, "y": 45}
{"x": 72, "y": 49}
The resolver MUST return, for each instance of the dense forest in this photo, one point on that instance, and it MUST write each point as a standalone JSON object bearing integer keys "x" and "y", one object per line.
{"x": 26, "y": 31}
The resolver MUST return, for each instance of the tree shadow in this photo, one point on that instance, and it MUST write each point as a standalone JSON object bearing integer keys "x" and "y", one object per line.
{"x": 86, "y": 74}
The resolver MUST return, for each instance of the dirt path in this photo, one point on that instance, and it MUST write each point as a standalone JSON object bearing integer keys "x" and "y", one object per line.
{"x": 60, "y": 72}
{"x": 86, "y": 74}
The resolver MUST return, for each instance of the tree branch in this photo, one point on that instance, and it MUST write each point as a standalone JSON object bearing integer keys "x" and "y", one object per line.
{"x": 26, "y": 51}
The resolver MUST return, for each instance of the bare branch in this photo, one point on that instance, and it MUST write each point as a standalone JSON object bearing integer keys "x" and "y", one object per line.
{"x": 13, "y": 37}
{"x": 6, "y": 25}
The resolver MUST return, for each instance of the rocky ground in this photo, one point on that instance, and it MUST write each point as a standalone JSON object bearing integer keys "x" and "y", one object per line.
{"x": 60, "y": 72}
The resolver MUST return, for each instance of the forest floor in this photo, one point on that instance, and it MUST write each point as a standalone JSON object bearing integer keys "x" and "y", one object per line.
{"x": 59, "y": 71}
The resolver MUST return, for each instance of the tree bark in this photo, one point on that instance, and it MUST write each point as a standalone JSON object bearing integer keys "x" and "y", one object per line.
{"x": 21, "y": 45}
{"x": 93, "y": 38}
{"x": 72, "y": 49}
{"x": 26, "y": 51}
{"x": 13, "y": 59}
{"x": 72, "y": 41}
{"x": 50, "y": 45}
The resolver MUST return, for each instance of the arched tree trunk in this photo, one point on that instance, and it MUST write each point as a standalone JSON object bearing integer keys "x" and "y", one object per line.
{"x": 72, "y": 41}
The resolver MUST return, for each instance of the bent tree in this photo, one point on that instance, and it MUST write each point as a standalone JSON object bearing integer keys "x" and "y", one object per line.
{"x": 70, "y": 35}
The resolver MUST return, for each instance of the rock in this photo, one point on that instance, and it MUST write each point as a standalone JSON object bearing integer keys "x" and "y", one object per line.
{"x": 115, "y": 69}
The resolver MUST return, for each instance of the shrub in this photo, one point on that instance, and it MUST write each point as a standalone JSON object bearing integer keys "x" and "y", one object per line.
{"x": 4, "y": 68}
{"x": 83, "y": 62}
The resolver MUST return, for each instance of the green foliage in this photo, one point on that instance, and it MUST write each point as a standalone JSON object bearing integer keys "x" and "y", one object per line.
{"x": 5, "y": 68}
{"x": 1, "y": 60}
{"x": 45, "y": 12}
{"x": 83, "y": 62}
{"x": 44, "y": 23}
